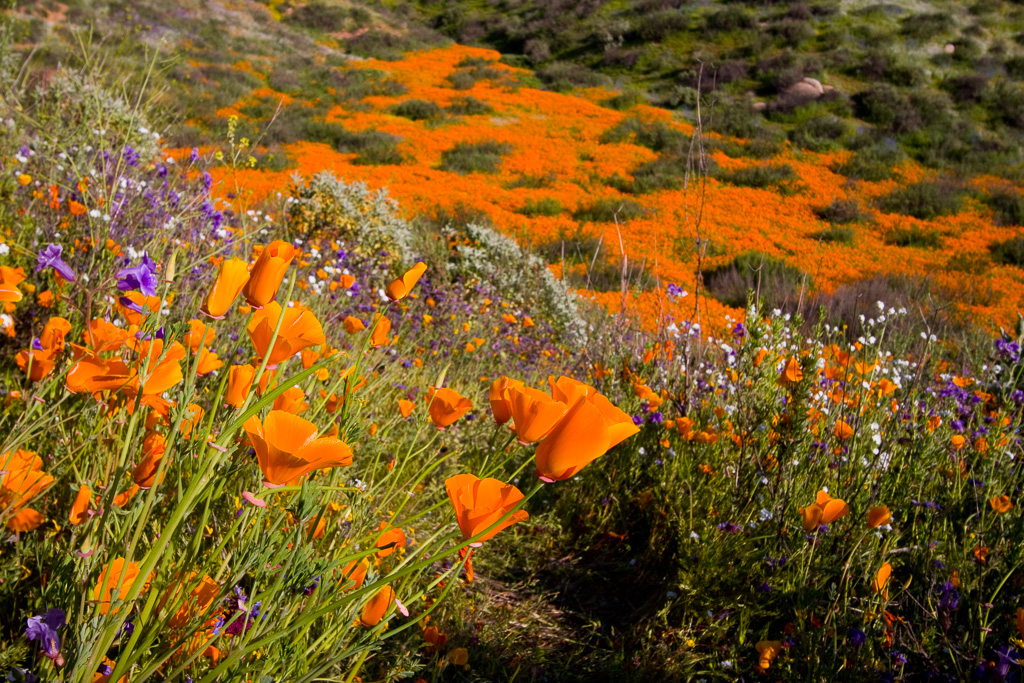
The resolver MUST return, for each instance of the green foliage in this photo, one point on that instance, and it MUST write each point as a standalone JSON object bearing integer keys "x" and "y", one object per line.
{"x": 924, "y": 200}
{"x": 609, "y": 210}
{"x": 418, "y": 110}
{"x": 776, "y": 281}
{"x": 1009, "y": 252}
{"x": 914, "y": 236}
{"x": 654, "y": 135}
{"x": 777, "y": 176}
{"x": 841, "y": 211}
{"x": 837, "y": 234}
{"x": 546, "y": 206}
{"x": 469, "y": 106}
{"x": 1008, "y": 206}
{"x": 474, "y": 157}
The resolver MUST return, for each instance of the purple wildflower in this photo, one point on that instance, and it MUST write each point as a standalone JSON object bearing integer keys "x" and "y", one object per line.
{"x": 50, "y": 257}
{"x": 141, "y": 277}
{"x": 44, "y": 629}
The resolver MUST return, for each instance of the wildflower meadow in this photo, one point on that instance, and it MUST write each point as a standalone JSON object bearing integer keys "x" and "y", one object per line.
{"x": 267, "y": 425}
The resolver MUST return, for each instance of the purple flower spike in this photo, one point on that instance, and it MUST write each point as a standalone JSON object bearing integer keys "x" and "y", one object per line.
{"x": 50, "y": 257}
{"x": 44, "y": 629}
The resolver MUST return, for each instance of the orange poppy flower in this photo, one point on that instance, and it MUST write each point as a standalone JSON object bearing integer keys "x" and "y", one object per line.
{"x": 111, "y": 586}
{"x": 299, "y": 330}
{"x": 405, "y": 407}
{"x": 390, "y": 541}
{"x": 76, "y": 208}
{"x": 568, "y": 390}
{"x": 293, "y": 400}
{"x": 767, "y": 651}
{"x": 18, "y": 487}
{"x": 123, "y": 498}
{"x": 38, "y": 364}
{"x": 534, "y": 413}
{"x": 287, "y": 447}
{"x": 266, "y": 276}
{"x": 881, "y": 579}
{"x": 585, "y": 433}
{"x": 54, "y": 333}
{"x": 811, "y": 516}
{"x": 374, "y": 609}
{"x": 1001, "y": 504}
{"x": 20, "y": 460}
{"x": 240, "y": 379}
{"x": 208, "y": 362}
{"x": 232, "y": 276}
{"x": 498, "y": 396}
{"x": 80, "y": 508}
{"x": 791, "y": 373}
{"x": 843, "y": 431}
{"x": 380, "y": 333}
{"x": 26, "y": 519}
{"x": 196, "y": 602}
{"x": 154, "y": 446}
{"x": 200, "y": 335}
{"x": 401, "y": 287}
{"x": 446, "y": 406}
{"x": 877, "y": 516}
{"x": 353, "y": 324}
{"x": 459, "y": 657}
{"x": 148, "y": 304}
{"x": 355, "y": 572}
{"x": 479, "y": 503}
{"x": 958, "y": 441}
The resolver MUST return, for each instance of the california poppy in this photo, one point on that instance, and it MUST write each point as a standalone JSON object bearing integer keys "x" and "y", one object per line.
{"x": 355, "y": 572}
{"x": 479, "y": 503}
{"x": 54, "y": 332}
{"x": 811, "y": 516}
{"x": 1001, "y": 504}
{"x": 25, "y": 519}
{"x": 200, "y": 335}
{"x": 877, "y": 516}
{"x": 534, "y": 413}
{"x": 208, "y": 362}
{"x": 198, "y": 600}
{"x": 390, "y": 541}
{"x": 240, "y": 379}
{"x": 154, "y": 446}
{"x": 497, "y": 394}
{"x": 459, "y": 657}
{"x": 353, "y": 324}
{"x": 287, "y": 447}
{"x": 401, "y": 287}
{"x": 881, "y": 579}
{"x": 111, "y": 586}
{"x": 767, "y": 651}
{"x": 232, "y": 276}
{"x": 299, "y": 330}
{"x": 18, "y": 487}
{"x": 293, "y": 400}
{"x": 374, "y": 609}
{"x": 586, "y": 432}
{"x": 37, "y": 363}
{"x": 380, "y": 333}
{"x": 405, "y": 407}
{"x": 266, "y": 276}
{"x": 843, "y": 431}
{"x": 80, "y": 508}
{"x": 791, "y": 373}
{"x": 446, "y": 406}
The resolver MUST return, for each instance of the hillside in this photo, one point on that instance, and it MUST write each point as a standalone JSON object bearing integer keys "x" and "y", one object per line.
{"x": 812, "y": 224}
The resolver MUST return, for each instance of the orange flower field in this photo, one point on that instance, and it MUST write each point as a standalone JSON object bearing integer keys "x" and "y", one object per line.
{"x": 558, "y": 136}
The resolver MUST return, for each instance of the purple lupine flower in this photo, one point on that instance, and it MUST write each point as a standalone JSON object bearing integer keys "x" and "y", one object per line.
{"x": 740, "y": 331}
{"x": 130, "y": 305}
{"x": 50, "y": 257}
{"x": 141, "y": 277}
{"x": 193, "y": 157}
{"x": 674, "y": 290}
{"x": 949, "y": 598}
{"x": 856, "y": 637}
{"x": 44, "y": 629}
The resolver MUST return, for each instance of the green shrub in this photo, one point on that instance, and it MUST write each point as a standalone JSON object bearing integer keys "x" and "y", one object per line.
{"x": 664, "y": 173}
{"x": 841, "y": 211}
{"x": 372, "y": 147}
{"x": 913, "y": 237}
{"x": 609, "y": 210}
{"x": 469, "y": 106}
{"x": 533, "y": 182}
{"x": 547, "y": 206}
{"x": 819, "y": 133}
{"x": 777, "y": 282}
{"x": 474, "y": 157}
{"x": 655, "y": 135}
{"x": 874, "y": 163}
{"x": 1008, "y": 206}
{"x": 625, "y": 101}
{"x": 837, "y": 234}
{"x": 418, "y": 110}
{"x": 1009, "y": 252}
{"x": 924, "y": 200}
{"x": 779, "y": 176}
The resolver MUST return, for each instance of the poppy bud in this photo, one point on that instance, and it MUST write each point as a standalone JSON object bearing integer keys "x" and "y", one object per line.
{"x": 400, "y": 287}
{"x": 232, "y": 276}
{"x": 267, "y": 274}
{"x": 374, "y": 609}
{"x": 240, "y": 379}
